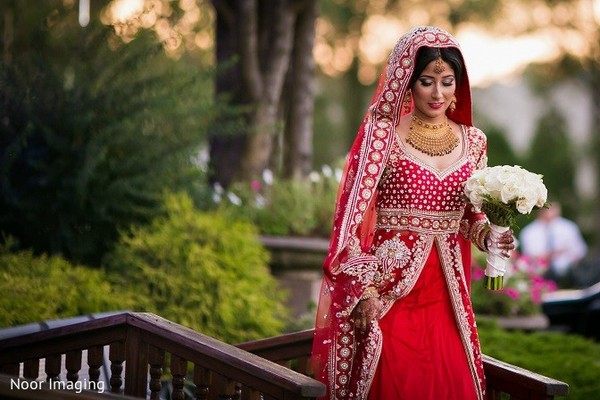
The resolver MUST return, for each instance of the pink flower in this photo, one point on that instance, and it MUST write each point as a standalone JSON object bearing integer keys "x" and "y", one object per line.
{"x": 536, "y": 295}
{"x": 512, "y": 293}
{"x": 537, "y": 280}
{"x": 539, "y": 287}
{"x": 255, "y": 186}
{"x": 551, "y": 285}
{"x": 478, "y": 274}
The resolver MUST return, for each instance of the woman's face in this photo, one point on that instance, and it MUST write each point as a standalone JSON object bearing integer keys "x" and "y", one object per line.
{"x": 433, "y": 91}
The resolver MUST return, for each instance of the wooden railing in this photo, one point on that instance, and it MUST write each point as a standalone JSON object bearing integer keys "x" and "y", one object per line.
{"x": 502, "y": 379}
{"x": 142, "y": 347}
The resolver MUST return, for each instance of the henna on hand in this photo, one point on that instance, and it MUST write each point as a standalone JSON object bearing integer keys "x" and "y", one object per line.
{"x": 366, "y": 311}
{"x": 506, "y": 242}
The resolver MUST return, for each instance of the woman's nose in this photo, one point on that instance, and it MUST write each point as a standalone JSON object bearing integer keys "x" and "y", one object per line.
{"x": 437, "y": 92}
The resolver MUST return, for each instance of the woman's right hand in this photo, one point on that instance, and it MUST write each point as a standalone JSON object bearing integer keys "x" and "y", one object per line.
{"x": 366, "y": 311}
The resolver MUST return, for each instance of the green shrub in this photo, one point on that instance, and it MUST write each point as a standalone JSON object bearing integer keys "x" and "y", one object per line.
{"x": 569, "y": 358}
{"x": 285, "y": 207}
{"x": 38, "y": 288}
{"x": 202, "y": 270}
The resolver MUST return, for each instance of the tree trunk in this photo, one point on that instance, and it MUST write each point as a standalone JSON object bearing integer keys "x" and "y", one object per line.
{"x": 595, "y": 133}
{"x": 269, "y": 39}
{"x": 225, "y": 149}
{"x": 299, "y": 130}
{"x": 8, "y": 35}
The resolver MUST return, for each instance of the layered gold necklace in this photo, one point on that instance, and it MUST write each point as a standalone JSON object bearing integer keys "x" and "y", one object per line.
{"x": 431, "y": 139}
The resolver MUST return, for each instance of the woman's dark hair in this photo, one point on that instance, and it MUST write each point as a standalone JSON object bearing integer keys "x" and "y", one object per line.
{"x": 425, "y": 55}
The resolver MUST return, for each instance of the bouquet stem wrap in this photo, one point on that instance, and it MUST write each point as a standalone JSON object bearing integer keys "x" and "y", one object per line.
{"x": 495, "y": 263}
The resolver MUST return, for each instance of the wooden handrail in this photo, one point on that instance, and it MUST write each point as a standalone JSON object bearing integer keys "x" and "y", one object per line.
{"x": 501, "y": 377}
{"x": 520, "y": 383}
{"x": 249, "y": 370}
{"x": 140, "y": 341}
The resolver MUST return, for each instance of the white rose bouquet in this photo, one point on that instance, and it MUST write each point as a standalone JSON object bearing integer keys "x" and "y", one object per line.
{"x": 502, "y": 192}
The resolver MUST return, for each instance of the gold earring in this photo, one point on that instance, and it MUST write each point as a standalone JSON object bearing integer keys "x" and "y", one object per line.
{"x": 406, "y": 102}
{"x": 452, "y": 106}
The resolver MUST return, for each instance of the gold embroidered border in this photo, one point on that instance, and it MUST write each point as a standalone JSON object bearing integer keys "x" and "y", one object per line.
{"x": 427, "y": 222}
{"x": 455, "y": 279}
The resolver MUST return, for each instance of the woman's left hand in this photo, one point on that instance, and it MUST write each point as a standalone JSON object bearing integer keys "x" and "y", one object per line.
{"x": 506, "y": 242}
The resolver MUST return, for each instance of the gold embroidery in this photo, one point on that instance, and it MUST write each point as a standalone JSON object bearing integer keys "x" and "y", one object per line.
{"x": 410, "y": 273}
{"x": 454, "y": 274}
{"x": 477, "y": 145}
{"x": 426, "y": 222}
{"x": 392, "y": 255}
{"x": 365, "y": 272}
{"x": 372, "y": 351}
{"x": 369, "y": 293}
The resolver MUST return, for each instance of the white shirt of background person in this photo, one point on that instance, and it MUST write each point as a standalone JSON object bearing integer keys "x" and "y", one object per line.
{"x": 553, "y": 239}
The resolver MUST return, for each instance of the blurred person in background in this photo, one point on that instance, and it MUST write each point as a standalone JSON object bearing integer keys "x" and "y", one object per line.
{"x": 554, "y": 242}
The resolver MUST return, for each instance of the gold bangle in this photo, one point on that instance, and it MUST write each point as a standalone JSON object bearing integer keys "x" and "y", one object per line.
{"x": 369, "y": 293}
{"x": 478, "y": 234}
{"x": 481, "y": 241}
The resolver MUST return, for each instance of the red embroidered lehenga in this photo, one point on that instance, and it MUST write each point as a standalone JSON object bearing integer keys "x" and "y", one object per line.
{"x": 402, "y": 227}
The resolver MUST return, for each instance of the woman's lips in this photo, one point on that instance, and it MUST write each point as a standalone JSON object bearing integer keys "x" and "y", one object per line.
{"x": 436, "y": 106}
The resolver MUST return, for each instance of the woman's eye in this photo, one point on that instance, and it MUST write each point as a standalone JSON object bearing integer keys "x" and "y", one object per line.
{"x": 426, "y": 82}
{"x": 448, "y": 83}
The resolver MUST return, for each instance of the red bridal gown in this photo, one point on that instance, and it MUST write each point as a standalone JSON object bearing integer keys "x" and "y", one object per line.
{"x": 419, "y": 232}
{"x": 423, "y": 354}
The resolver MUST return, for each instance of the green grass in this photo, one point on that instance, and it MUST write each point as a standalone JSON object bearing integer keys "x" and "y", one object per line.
{"x": 572, "y": 359}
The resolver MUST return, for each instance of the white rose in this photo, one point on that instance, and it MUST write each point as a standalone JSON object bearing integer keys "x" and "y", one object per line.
{"x": 509, "y": 193}
{"x": 524, "y": 205}
{"x": 543, "y": 197}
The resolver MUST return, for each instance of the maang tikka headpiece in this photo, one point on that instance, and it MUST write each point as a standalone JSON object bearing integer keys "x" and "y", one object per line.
{"x": 439, "y": 67}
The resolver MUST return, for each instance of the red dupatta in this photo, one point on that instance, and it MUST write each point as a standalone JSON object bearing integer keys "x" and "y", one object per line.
{"x": 354, "y": 218}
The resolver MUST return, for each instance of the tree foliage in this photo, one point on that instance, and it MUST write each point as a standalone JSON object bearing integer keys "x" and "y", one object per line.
{"x": 551, "y": 154}
{"x": 500, "y": 151}
{"x": 92, "y": 130}
{"x": 205, "y": 271}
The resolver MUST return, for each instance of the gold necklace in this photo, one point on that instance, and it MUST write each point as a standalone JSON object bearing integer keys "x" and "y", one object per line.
{"x": 431, "y": 139}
